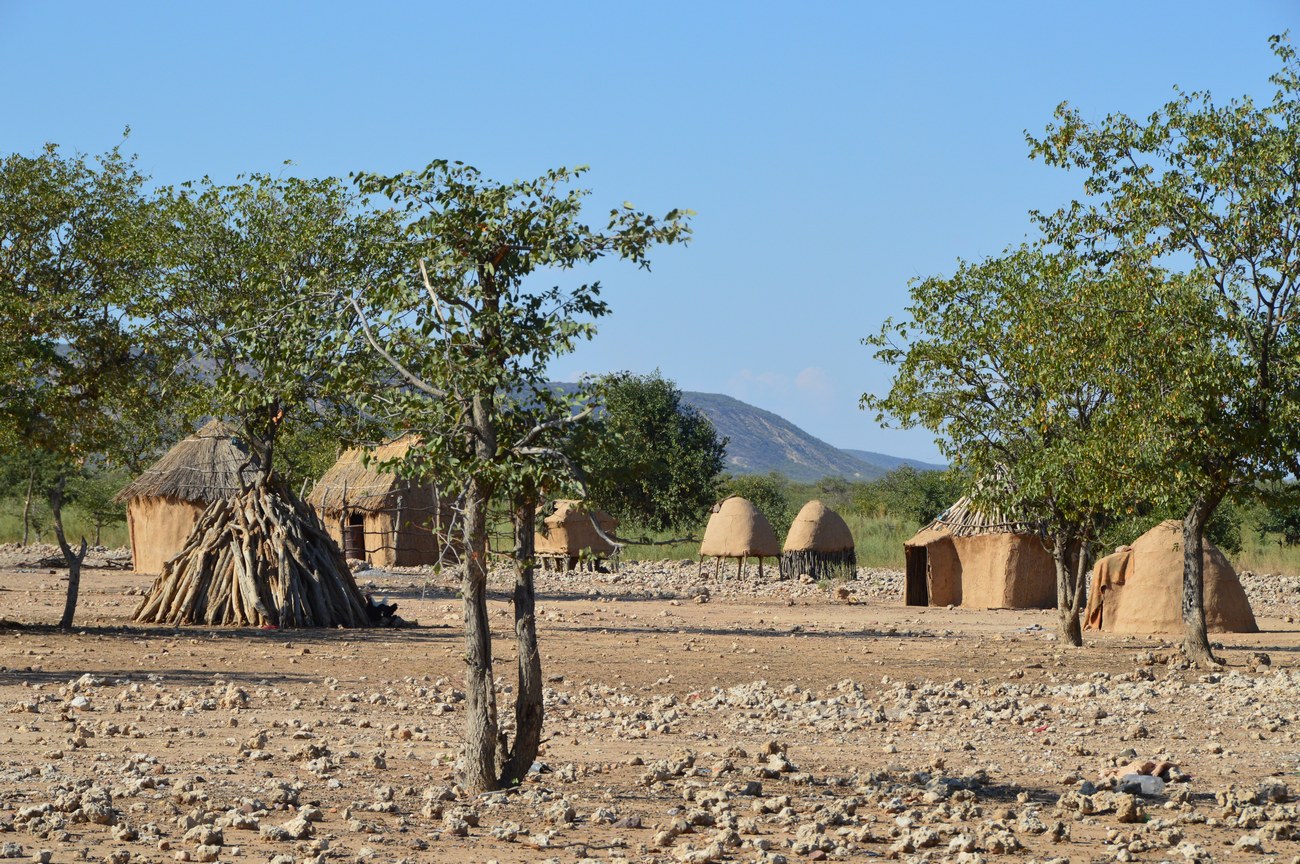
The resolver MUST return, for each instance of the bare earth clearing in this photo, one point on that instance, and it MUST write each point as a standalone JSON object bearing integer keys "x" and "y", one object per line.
{"x": 781, "y": 721}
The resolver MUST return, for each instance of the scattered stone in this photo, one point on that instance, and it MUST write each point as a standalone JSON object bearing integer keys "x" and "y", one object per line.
{"x": 1127, "y": 809}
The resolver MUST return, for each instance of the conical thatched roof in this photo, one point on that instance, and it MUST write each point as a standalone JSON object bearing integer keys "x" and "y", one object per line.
{"x": 737, "y": 530}
{"x": 964, "y": 519}
{"x": 818, "y": 528}
{"x": 353, "y": 483}
{"x": 202, "y": 468}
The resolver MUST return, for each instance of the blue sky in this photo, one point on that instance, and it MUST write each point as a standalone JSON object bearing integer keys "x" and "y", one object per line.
{"x": 833, "y": 151}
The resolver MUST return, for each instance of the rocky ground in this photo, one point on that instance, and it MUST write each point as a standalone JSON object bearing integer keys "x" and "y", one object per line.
{"x": 688, "y": 720}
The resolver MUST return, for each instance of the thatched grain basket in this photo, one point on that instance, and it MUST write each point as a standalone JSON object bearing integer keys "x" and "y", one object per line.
{"x": 738, "y": 530}
{"x": 569, "y": 530}
{"x": 819, "y": 544}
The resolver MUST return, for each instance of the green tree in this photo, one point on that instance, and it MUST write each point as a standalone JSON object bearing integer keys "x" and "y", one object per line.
{"x": 253, "y": 268}
{"x": 78, "y": 243}
{"x": 467, "y": 338}
{"x": 905, "y": 492}
{"x": 26, "y": 472}
{"x": 1209, "y": 190}
{"x": 251, "y": 274}
{"x": 1025, "y": 367}
{"x": 767, "y": 492}
{"x": 1279, "y": 512}
{"x": 304, "y": 451}
{"x": 93, "y": 491}
{"x": 650, "y": 460}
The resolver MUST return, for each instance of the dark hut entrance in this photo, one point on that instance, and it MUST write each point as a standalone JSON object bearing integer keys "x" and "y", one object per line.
{"x": 354, "y": 538}
{"x": 916, "y": 592}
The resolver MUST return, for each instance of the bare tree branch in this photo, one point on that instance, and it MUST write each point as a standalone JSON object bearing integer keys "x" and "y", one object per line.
{"x": 407, "y": 375}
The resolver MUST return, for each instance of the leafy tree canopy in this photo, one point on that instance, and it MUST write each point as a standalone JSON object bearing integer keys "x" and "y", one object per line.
{"x": 255, "y": 267}
{"x": 1208, "y": 191}
{"x": 79, "y": 243}
{"x": 466, "y": 337}
{"x": 650, "y": 460}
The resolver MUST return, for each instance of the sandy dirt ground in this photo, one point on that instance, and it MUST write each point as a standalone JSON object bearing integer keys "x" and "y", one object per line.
{"x": 687, "y": 720}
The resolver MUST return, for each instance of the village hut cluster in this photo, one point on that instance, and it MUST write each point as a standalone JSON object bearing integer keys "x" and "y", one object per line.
{"x": 984, "y": 560}
{"x": 967, "y": 556}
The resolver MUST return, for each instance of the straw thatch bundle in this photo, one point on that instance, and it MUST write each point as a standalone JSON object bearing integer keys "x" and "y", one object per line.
{"x": 964, "y": 519}
{"x": 202, "y": 468}
{"x": 738, "y": 530}
{"x": 819, "y": 544}
{"x": 355, "y": 482}
{"x": 165, "y": 502}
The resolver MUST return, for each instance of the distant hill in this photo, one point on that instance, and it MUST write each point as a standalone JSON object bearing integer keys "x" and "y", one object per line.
{"x": 889, "y": 463}
{"x": 761, "y": 442}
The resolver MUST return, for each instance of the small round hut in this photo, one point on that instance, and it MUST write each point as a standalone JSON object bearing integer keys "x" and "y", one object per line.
{"x": 819, "y": 543}
{"x": 738, "y": 530}
{"x": 379, "y": 517}
{"x": 1139, "y": 588}
{"x": 567, "y": 532}
{"x": 165, "y": 502}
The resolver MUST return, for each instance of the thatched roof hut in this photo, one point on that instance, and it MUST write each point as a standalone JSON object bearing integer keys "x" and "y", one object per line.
{"x": 980, "y": 558}
{"x": 1139, "y": 588}
{"x": 819, "y": 543}
{"x": 567, "y": 531}
{"x": 738, "y": 530}
{"x": 388, "y": 520}
{"x": 165, "y": 501}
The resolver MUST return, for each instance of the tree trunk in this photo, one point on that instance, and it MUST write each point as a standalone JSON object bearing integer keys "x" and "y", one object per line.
{"x": 1196, "y": 641}
{"x": 1082, "y": 566}
{"x": 528, "y": 697}
{"x": 74, "y": 559}
{"x": 27, "y": 506}
{"x": 1067, "y": 589}
{"x": 481, "y": 734}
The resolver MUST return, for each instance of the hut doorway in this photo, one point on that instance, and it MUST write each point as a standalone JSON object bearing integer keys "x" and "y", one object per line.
{"x": 354, "y": 538}
{"x": 916, "y": 591}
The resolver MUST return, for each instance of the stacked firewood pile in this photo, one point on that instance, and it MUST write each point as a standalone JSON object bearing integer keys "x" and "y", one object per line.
{"x": 261, "y": 558}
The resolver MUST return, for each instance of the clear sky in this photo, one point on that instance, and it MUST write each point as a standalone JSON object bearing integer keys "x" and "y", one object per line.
{"x": 833, "y": 151}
